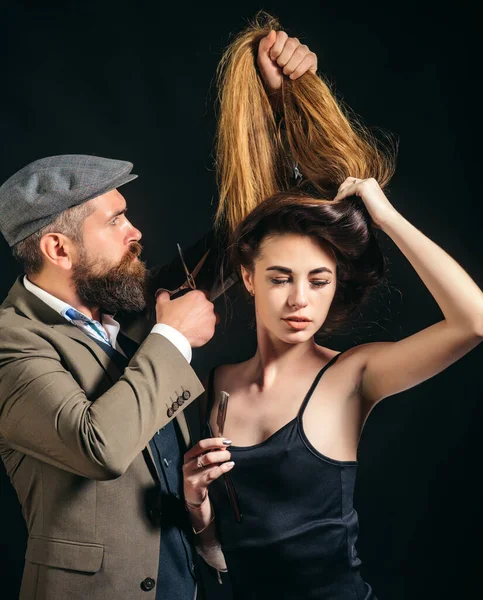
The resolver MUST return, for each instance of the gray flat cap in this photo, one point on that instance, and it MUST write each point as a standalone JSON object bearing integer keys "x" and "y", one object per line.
{"x": 38, "y": 193}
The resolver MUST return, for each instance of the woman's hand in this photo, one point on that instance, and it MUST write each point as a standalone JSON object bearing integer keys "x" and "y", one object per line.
{"x": 204, "y": 463}
{"x": 369, "y": 191}
{"x": 280, "y": 55}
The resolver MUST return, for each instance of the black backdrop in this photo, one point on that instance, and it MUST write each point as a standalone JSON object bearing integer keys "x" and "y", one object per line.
{"x": 135, "y": 81}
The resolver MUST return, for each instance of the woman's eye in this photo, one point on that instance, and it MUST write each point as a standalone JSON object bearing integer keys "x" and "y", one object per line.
{"x": 320, "y": 282}
{"x": 115, "y": 221}
{"x": 279, "y": 281}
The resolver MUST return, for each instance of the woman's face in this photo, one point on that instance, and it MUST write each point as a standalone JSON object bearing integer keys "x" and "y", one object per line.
{"x": 293, "y": 282}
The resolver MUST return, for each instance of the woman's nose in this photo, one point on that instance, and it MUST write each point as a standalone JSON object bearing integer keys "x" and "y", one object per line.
{"x": 298, "y": 299}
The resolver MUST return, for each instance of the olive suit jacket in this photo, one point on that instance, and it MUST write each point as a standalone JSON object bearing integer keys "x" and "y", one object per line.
{"x": 74, "y": 435}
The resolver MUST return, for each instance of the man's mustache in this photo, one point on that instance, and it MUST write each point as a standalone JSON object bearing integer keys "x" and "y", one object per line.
{"x": 134, "y": 250}
{"x": 127, "y": 263}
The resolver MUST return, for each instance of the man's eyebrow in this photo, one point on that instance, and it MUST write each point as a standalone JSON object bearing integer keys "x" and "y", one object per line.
{"x": 289, "y": 271}
{"x": 117, "y": 213}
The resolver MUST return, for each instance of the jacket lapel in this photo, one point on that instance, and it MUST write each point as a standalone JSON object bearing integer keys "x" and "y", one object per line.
{"x": 97, "y": 352}
{"x": 35, "y": 309}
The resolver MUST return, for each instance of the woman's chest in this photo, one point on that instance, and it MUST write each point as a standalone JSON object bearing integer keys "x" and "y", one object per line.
{"x": 327, "y": 412}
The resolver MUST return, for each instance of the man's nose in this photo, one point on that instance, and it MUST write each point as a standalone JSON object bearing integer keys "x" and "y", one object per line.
{"x": 134, "y": 235}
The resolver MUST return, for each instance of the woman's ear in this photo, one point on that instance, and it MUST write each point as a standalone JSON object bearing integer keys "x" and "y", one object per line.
{"x": 247, "y": 277}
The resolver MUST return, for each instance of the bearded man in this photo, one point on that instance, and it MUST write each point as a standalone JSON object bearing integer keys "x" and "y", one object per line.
{"x": 92, "y": 426}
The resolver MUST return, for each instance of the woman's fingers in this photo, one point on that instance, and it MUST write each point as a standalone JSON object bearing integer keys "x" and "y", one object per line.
{"x": 214, "y": 472}
{"x": 347, "y": 187}
{"x": 206, "y": 445}
{"x": 211, "y": 473}
{"x": 207, "y": 460}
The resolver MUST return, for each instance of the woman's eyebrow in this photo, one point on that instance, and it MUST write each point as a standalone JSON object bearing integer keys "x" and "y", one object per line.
{"x": 278, "y": 268}
{"x": 320, "y": 270}
{"x": 289, "y": 271}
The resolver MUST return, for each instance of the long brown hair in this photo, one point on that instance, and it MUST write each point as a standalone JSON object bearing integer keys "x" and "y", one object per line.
{"x": 313, "y": 130}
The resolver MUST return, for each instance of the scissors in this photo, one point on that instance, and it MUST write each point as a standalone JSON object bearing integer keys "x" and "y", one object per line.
{"x": 190, "y": 282}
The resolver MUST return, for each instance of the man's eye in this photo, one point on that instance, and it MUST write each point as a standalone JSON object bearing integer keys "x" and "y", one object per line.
{"x": 115, "y": 221}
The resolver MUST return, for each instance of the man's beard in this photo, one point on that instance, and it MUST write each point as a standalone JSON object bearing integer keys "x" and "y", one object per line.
{"x": 112, "y": 289}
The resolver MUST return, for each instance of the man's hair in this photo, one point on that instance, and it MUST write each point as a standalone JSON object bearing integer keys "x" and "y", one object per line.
{"x": 69, "y": 223}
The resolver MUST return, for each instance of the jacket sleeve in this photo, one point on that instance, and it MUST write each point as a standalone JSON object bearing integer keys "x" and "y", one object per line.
{"x": 44, "y": 413}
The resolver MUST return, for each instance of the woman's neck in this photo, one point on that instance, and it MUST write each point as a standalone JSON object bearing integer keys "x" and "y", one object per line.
{"x": 274, "y": 356}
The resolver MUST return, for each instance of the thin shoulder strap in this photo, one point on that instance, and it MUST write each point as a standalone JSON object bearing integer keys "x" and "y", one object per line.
{"x": 316, "y": 382}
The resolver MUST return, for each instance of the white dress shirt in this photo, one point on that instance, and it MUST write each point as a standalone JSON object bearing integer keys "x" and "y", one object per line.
{"x": 110, "y": 325}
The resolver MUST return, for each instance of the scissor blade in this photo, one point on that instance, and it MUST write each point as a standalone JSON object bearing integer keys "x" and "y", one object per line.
{"x": 197, "y": 269}
{"x": 182, "y": 260}
{"x": 219, "y": 289}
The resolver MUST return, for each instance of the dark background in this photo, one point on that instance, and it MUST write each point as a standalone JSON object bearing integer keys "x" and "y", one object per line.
{"x": 134, "y": 81}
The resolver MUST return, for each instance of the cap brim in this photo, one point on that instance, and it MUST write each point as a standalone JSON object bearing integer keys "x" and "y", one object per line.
{"x": 108, "y": 186}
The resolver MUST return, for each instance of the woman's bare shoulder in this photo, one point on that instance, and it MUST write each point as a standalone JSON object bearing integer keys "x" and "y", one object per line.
{"x": 353, "y": 358}
{"x": 325, "y": 354}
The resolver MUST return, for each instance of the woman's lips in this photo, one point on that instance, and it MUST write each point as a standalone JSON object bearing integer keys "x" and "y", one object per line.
{"x": 297, "y": 323}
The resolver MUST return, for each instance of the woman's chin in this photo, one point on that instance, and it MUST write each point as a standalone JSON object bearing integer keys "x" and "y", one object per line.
{"x": 296, "y": 337}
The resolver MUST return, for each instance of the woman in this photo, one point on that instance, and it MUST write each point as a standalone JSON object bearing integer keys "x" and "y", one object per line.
{"x": 276, "y": 130}
{"x": 296, "y": 409}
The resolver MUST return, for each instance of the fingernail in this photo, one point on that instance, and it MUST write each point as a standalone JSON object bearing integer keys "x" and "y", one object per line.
{"x": 230, "y": 464}
{"x": 227, "y": 442}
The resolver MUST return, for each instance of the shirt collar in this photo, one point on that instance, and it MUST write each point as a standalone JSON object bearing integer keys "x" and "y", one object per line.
{"x": 109, "y": 323}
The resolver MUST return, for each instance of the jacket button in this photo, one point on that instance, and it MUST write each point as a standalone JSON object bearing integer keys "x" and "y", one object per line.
{"x": 148, "y": 584}
{"x": 175, "y": 405}
{"x": 186, "y": 395}
{"x": 180, "y": 400}
{"x": 170, "y": 412}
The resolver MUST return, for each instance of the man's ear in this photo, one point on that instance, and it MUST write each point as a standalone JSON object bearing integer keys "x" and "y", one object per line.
{"x": 247, "y": 277}
{"x": 58, "y": 250}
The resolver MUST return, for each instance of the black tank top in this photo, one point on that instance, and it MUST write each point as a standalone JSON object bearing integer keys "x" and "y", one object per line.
{"x": 295, "y": 539}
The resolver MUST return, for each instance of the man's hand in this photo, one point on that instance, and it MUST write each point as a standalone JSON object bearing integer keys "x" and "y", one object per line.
{"x": 280, "y": 55}
{"x": 193, "y": 315}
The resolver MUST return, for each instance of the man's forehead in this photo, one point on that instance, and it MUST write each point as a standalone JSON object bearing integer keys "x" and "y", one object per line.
{"x": 110, "y": 202}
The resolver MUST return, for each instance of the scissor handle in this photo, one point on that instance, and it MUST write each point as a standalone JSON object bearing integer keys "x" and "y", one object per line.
{"x": 177, "y": 292}
{"x": 190, "y": 281}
